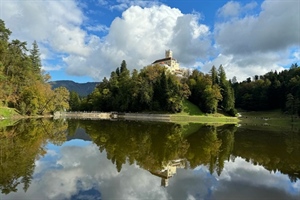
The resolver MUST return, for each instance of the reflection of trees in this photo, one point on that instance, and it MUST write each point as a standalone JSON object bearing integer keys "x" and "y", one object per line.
{"x": 274, "y": 150}
{"x": 211, "y": 146}
{"x": 20, "y": 145}
{"x": 226, "y": 135}
{"x": 148, "y": 143}
{"x": 152, "y": 145}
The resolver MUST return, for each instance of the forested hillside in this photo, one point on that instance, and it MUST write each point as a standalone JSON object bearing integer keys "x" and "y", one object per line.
{"x": 23, "y": 85}
{"x": 151, "y": 89}
{"x": 154, "y": 88}
{"x": 271, "y": 91}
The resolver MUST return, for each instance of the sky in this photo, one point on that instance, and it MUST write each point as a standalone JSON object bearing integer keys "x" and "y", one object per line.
{"x": 85, "y": 40}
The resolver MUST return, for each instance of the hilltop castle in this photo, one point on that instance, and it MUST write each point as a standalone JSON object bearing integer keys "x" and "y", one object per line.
{"x": 170, "y": 63}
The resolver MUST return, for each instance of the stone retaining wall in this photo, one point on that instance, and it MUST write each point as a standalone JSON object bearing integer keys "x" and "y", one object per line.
{"x": 145, "y": 117}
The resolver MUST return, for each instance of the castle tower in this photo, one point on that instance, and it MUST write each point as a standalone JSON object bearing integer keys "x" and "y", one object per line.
{"x": 169, "y": 53}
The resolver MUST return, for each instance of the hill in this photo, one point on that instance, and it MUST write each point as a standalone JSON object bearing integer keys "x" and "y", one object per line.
{"x": 83, "y": 89}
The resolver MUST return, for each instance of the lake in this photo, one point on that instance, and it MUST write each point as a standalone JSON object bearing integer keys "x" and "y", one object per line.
{"x": 99, "y": 159}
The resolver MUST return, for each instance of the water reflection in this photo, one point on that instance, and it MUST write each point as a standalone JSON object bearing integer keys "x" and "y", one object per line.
{"x": 82, "y": 159}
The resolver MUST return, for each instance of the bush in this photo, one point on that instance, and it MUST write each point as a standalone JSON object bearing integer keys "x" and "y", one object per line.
{"x": 232, "y": 112}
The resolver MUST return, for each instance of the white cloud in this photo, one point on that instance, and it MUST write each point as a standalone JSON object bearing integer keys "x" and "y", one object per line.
{"x": 230, "y": 9}
{"x": 52, "y": 67}
{"x": 256, "y": 44}
{"x": 124, "y": 4}
{"x": 246, "y": 66}
{"x": 269, "y": 31}
{"x": 141, "y": 36}
{"x": 250, "y": 43}
{"x": 47, "y": 22}
{"x": 234, "y": 9}
{"x": 98, "y": 28}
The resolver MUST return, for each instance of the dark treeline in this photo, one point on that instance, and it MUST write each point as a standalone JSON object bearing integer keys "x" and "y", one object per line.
{"x": 271, "y": 91}
{"x": 23, "y": 85}
{"x": 154, "y": 88}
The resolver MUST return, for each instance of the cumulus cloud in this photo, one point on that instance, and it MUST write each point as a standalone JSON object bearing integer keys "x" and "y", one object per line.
{"x": 230, "y": 9}
{"x": 243, "y": 67}
{"x": 47, "y": 22}
{"x": 256, "y": 44}
{"x": 247, "y": 43}
{"x": 269, "y": 31}
{"x": 141, "y": 36}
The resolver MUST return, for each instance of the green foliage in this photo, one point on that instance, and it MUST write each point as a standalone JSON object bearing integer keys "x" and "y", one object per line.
{"x": 228, "y": 100}
{"x": 212, "y": 91}
{"x": 151, "y": 89}
{"x": 269, "y": 91}
{"x": 74, "y": 101}
{"x": 23, "y": 85}
{"x": 203, "y": 93}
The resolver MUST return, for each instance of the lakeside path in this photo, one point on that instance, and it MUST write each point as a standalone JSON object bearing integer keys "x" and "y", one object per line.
{"x": 177, "y": 118}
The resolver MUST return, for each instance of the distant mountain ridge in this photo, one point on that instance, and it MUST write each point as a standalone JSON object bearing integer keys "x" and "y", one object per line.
{"x": 83, "y": 89}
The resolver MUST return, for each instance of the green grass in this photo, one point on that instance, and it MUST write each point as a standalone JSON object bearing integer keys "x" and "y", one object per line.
{"x": 192, "y": 114}
{"x": 6, "y": 116}
{"x": 7, "y": 112}
{"x": 190, "y": 109}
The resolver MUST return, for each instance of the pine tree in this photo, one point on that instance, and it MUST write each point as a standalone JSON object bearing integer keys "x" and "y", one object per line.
{"x": 214, "y": 75}
{"x": 35, "y": 58}
{"x": 227, "y": 102}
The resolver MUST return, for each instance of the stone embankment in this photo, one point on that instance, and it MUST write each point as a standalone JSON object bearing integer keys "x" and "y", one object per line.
{"x": 144, "y": 116}
{"x": 113, "y": 115}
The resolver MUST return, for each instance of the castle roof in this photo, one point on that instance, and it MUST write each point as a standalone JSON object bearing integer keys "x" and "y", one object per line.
{"x": 162, "y": 60}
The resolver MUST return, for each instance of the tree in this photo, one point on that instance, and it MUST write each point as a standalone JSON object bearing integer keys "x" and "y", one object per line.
{"x": 292, "y": 105}
{"x": 35, "y": 58}
{"x": 61, "y": 99}
{"x": 214, "y": 75}
{"x": 228, "y": 99}
{"x": 74, "y": 101}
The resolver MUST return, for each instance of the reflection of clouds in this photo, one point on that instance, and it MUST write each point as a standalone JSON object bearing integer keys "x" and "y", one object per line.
{"x": 189, "y": 184}
{"x": 79, "y": 169}
{"x": 82, "y": 172}
{"x": 242, "y": 179}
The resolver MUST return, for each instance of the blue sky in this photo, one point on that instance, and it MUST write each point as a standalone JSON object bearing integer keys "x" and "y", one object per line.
{"x": 84, "y": 40}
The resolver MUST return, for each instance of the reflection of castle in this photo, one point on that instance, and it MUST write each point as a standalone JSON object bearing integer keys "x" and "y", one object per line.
{"x": 170, "y": 63}
{"x": 169, "y": 170}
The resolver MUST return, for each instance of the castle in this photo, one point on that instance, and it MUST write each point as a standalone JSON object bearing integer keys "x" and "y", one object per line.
{"x": 170, "y": 63}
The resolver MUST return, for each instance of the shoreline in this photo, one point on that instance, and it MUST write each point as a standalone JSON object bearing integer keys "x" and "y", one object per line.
{"x": 175, "y": 118}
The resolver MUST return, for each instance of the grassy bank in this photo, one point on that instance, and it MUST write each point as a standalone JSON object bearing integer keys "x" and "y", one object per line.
{"x": 7, "y": 116}
{"x": 7, "y": 113}
{"x": 192, "y": 114}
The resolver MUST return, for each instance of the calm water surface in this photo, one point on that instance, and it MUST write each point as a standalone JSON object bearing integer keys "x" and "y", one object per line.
{"x": 89, "y": 159}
